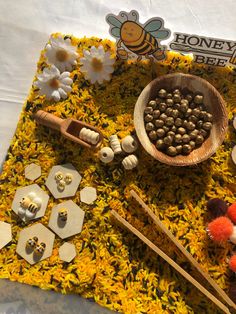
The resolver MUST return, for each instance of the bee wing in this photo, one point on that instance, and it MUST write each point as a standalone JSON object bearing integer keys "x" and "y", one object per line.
{"x": 162, "y": 34}
{"x": 112, "y": 20}
{"x": 153, "y": 27}
{"x": 115, "y": 31}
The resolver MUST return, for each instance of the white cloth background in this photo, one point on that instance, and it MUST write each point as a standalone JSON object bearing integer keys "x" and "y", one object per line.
{"x": 25, "y": 26}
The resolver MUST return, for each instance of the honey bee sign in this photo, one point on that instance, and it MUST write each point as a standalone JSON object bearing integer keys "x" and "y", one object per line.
{"x": 207, "y": 50}
{"x": 136, "y": 39}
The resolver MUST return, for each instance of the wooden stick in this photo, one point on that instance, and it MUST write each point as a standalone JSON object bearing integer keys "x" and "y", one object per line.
{"x": 157, "y": 221}
{"x": 170, "y": 261}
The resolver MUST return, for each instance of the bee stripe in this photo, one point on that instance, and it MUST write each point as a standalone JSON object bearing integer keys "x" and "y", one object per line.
{"x": 32, "y": 207}
{"x": 141, "y": 47}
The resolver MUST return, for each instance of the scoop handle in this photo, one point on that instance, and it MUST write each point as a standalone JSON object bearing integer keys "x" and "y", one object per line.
{"x": 48, "y": 119}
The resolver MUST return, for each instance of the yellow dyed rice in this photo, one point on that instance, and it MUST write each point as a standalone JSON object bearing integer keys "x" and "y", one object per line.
{"x": 112, "y": 266}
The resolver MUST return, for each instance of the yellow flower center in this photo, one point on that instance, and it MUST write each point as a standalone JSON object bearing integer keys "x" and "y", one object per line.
{"x": 54, "y": 83}
{"x": 62, "y": 55}
{"x": 96, "y": 64}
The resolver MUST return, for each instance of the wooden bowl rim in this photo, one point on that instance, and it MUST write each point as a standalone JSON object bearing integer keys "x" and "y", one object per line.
{"x": 150, "y": 148}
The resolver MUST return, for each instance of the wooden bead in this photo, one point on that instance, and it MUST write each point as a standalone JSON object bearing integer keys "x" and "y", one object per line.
{"x": 152, "y": 103}
{"x": 156, "y": 114}
{"x": 169, "y": 102}
{"x": 176, "y": 98}
{"x": 129, "y": 144}
{"x": 199, "y": 139}
{"x": 159, "y": 123}
{"x": 89, "y": 136}
{"x": 207, "y": 126}
{"x": 171, "y": 150}
{"x": 162, "y": 107}
{"x": 160, "y": 144}
{"x": 162, "y": 93}
{"x": 130, "y": 162}
{"x": 160, "y": 132}
{"x": 178, "y": 122}
{"x": 148, "y": 110}
{"x": 148, "y": 118}
{"x": 186, "y": 149}
{"x": 106, "y": 155}
{"x": 198, "y": 99}
{"x": 153, "y": 135}
{"x": 149, "y": 126}
{"x": 185, "y": 138}
{"x": 115, "y": 143}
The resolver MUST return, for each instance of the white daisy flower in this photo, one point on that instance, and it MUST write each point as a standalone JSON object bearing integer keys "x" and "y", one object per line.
{"x": 61, "y": 53}
{"x": 97, "y": 65}
{"x": 52, "y": 84}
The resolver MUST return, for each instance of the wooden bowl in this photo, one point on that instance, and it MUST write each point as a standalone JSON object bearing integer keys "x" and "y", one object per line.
{"x": 213, "y": 102}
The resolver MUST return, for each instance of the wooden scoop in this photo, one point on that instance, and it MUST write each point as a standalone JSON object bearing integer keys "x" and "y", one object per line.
{"x": 69, "y": 128}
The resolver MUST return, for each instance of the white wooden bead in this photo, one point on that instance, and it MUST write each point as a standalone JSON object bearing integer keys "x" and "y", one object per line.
{"x": 115, "y": 144}
{"x": 234, "y": 123}
{"x": 233, "y": 236}
{"x": 233, "y": 154}
{"x": 130, "y": 162}
{"x": 129, "y": 144}
{"x": 106, "y": 155}
{"x": 89, "y": 136}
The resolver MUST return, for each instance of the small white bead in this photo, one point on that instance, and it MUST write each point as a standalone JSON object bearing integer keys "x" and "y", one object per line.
{"x": 106, "y": 155}
{"x": 89, "y": 136}
{"x": 115, "y": 144}
{"x": 233, "y": 236}
{"x": 130, "y": 162}
{"x": 129, "y": 144}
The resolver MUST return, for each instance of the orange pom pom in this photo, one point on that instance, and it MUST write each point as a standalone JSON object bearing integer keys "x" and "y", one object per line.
{"x": 231, "y": 212}
{"x": 232, "y": 263}
{"x": 220, "y": 229}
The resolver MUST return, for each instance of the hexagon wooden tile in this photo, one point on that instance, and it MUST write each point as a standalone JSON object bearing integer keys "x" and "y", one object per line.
{"x": 63, "y": 181}
{"x": 30, "y": 202}
{"x": 88, "y": 195}
{"x": 67, "y": 252}
{"x": 43, "y": 234}
{"x": 5, "y": 234}
{"x": 73, "y": 223}
{"x": 32, "y": 172}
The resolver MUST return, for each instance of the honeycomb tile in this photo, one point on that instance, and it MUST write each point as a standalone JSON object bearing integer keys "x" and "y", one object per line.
{"x": 88, "y": 195}
{"x": 5, "y": 234}
{"x": 35, "y": 198}
{"x": 74, "y": 223}
{"x": 32, "y": 172}
{"x": 67, "y": 252}
{"x": 61, "y": 188}
{"x": 43, "y": 234}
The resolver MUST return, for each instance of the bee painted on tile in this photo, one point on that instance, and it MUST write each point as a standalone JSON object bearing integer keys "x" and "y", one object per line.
{"x": 142, "y": 40}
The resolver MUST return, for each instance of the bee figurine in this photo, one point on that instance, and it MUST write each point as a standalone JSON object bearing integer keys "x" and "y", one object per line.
{"x": 25, "y": 201}
{"x": 40, "y": 248}
{"x": 32, "y": 242}
{"x": 59, "y": 176}
{"x": 142, "y": 40}
{"x": 62, "y": 214}
{"x": 29, "y": 205}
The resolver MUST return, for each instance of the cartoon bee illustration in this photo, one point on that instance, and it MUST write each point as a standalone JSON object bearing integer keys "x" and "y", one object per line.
{"x": 142, "y": 40}
{"x": 29, "y": 205}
